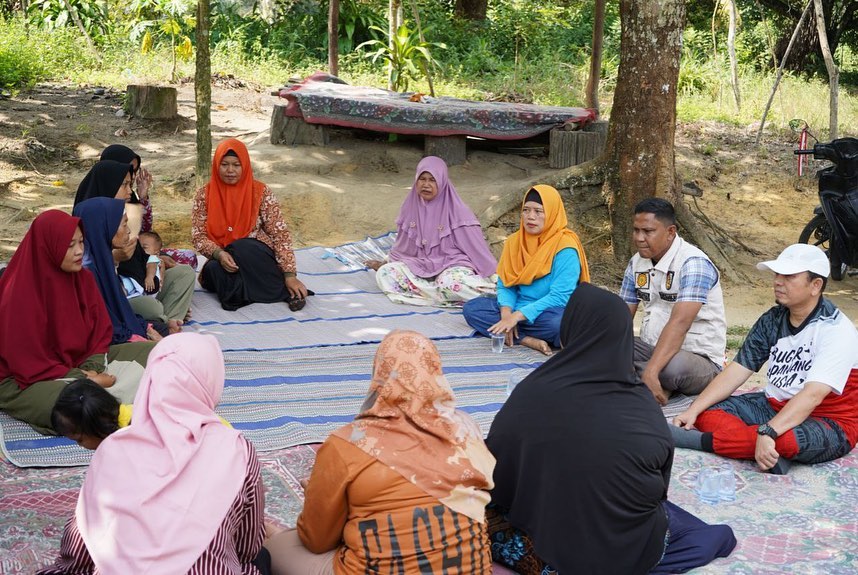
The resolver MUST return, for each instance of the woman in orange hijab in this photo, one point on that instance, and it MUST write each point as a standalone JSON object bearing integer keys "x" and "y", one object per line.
{"x": 402, "y": 488}
{"x": 541, "y": 265}
{"x": 238, "y": 226}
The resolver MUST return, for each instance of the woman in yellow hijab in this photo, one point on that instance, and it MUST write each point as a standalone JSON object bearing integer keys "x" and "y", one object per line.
{"x": 541, "y": 265}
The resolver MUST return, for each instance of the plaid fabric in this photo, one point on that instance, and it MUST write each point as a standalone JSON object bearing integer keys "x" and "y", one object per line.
{"x": 696, "y": 277}
{"x": 627, "y": 290}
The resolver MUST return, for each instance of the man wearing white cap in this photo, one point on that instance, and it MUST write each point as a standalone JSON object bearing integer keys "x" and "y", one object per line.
{"x": 809, "y": 409}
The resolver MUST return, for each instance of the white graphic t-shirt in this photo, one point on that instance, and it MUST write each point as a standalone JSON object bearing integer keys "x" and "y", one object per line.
{"x": 824, "y": 349}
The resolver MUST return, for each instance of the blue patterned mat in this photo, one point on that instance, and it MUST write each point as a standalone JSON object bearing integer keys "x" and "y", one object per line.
{"x": 294, "y": 377}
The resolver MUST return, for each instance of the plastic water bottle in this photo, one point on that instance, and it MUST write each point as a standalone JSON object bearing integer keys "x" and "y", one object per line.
{"x": 709, "y": 485}
{"x": 726, "y": 482}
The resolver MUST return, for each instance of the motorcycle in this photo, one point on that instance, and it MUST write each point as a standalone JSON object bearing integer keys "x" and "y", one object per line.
{"x": 834, "y": 226}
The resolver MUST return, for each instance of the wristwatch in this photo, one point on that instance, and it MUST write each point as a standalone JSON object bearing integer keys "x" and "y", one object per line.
{"x": 766, "y": 429}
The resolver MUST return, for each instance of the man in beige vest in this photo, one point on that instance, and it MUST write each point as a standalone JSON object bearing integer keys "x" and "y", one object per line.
{"x": 683, "y": 333}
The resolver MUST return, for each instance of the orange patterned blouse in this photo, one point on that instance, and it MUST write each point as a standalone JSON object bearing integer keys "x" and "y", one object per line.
{"x": 270, "y": 229}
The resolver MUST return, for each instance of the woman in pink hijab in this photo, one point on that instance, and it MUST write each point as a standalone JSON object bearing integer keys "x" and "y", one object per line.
{"x": 176, "y": 491}
{"x": 440, "y": 257}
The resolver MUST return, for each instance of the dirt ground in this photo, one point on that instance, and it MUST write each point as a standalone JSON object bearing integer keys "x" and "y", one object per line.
{"x": 353, "y": 188}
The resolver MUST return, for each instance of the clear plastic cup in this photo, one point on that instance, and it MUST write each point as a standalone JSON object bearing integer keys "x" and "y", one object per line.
{"x": 726, "y": 482}
{"x": 513, "y": 381}
{"x": 497, "y": 343}
{"x": 709, "y": 485}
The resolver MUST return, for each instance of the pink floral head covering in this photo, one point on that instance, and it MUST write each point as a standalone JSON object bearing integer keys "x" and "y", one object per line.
{"x": 409, "y": 422}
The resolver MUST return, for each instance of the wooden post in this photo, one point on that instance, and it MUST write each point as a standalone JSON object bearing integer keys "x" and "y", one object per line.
{"x": 334, "y": 37}
{"x": 570, "y": 148}
{"x": 561, "y": 148}
{"x": 589, "y": 146}
{"x": 451, "y": 149}
{"x": 291, "y": 131}
{"x": 599, "y": 127}
{"x": 151, "y": 102}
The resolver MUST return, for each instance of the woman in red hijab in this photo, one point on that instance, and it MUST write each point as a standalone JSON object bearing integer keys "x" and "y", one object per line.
{"x": 238, "y": 226}
{"x": 54, "y": 326}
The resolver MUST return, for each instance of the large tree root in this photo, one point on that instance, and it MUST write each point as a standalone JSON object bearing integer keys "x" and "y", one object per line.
{"x": 697, "y": 235}
{"x": 584, "y": 175}
{"x": 585, "y": 183}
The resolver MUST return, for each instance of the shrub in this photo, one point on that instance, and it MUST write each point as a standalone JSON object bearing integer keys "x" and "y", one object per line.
{"x": 27, "y": 58}
{"x": 20, "y": 66}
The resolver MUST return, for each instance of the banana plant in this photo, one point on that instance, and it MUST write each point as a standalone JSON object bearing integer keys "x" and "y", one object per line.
{"x": 171, "y": 19}
{"x": 406, "y": 56}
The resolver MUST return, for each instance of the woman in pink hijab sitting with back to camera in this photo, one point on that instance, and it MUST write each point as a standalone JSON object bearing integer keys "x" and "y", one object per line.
{"x": 440, "y": 257}
{"x": 176, "y": 491}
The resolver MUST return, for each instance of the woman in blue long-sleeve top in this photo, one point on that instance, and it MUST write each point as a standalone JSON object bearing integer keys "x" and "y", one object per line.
{"x": 541, "y": 265}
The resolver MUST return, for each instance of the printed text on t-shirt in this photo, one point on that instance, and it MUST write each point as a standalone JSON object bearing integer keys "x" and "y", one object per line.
{"x": 787, "y": 366}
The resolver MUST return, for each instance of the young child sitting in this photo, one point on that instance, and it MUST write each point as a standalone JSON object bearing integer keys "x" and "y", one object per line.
{"x": 156, "y": 264}
{"x": 86, "y": 413}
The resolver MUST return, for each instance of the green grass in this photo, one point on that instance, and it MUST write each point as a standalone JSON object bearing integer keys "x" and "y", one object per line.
{"x": 705, "y": 94}
{"x": 796, "y": 98}
{"x": 736, "y": 335}
{"x": 30, "y": 56}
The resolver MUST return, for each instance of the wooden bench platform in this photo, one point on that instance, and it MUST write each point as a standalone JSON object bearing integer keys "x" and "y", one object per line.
{"x": 566, "y": 147}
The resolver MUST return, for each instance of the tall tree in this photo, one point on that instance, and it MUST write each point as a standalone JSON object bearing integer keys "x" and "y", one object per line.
{"x": 640, "y": 147}
{"x": 472, "y": 9}
{"x": 333, "y": 37}
{"x": 591, "y": 91}
{"x": 731, "y": 51}
{"x": 203, "y": 93}
{"x": 833, "y": 72}
{"x": 394, "y": 14}
{"x": 841, "y": 19}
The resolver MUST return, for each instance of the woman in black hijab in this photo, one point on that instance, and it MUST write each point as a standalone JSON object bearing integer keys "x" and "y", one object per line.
{"x": 112, "y": 179}
{"x": 584, "y": 457}
{"x": 140, "y": 195}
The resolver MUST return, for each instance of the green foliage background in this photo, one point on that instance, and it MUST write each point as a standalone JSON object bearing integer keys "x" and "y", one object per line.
{"x": 526, "y": 50}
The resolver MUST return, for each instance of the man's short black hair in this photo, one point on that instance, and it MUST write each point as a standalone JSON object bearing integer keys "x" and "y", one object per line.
{"x": 660, "y": 208}
{"x": 824, "y": 279}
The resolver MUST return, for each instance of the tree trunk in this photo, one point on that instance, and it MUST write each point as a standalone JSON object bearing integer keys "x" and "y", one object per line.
{"x": 833, "y": 72}
{"x": 424, "y": 65}
{"x": 639, "y": 151}
{"x": 731, "y": 50}
{"x": 472, "y": 9}
{"x": 842, "y": 17}
{"x": 394, "y": 21}
{"x": 203, "y": 94}
{"x": 795, "y": 35}
{"x": 173, "y": 52}
{"x": 592, "y": 90}
{"x": 151, "y": 102}
{"x": 334, "y": 37}
{"x": 79, "y": 24}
